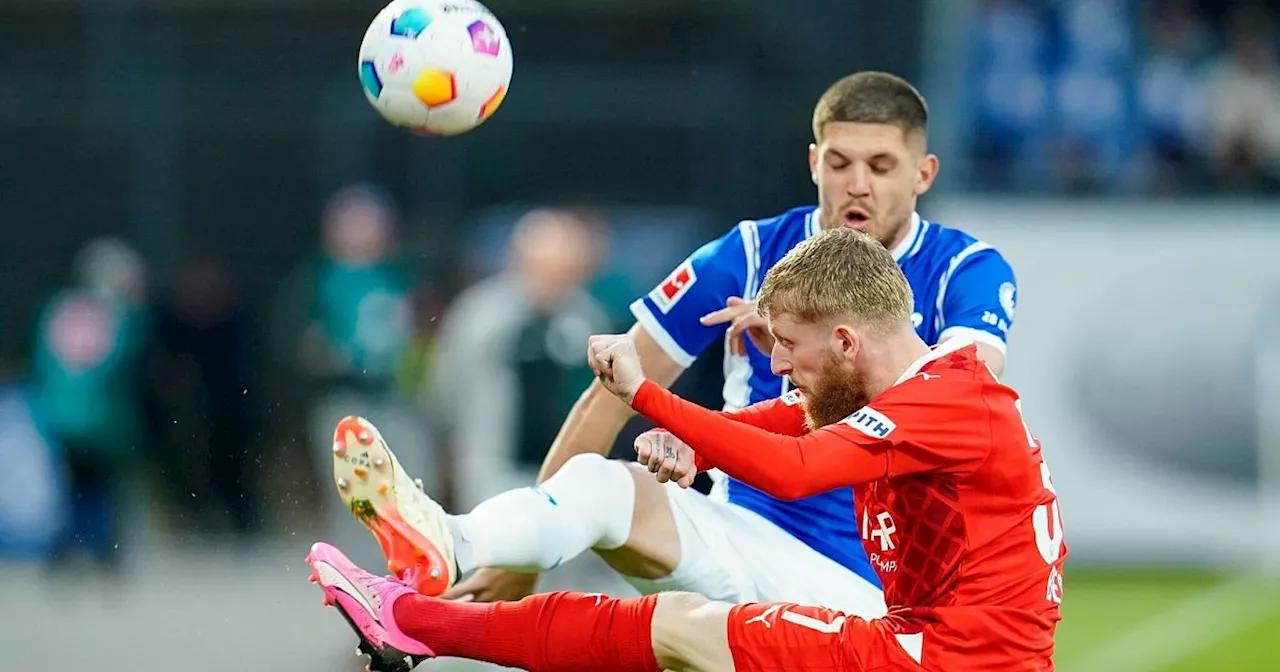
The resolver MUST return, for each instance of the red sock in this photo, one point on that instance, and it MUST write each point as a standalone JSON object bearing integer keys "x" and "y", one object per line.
{"x": 551, "y": 632}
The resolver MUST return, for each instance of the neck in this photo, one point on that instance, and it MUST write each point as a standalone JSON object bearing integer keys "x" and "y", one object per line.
{"x": 900, "y": 234}
{"x": 886, "y": 359}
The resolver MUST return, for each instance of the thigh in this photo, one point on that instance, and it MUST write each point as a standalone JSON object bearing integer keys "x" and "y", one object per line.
{"x": 776, "y": 636}
{"x": 652, "y": 549}
{"x": 707, "y": 564}
{"x": 728, "y": 553}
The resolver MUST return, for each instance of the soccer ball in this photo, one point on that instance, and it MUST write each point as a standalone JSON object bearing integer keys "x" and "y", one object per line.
{"x": 439, "y": 67}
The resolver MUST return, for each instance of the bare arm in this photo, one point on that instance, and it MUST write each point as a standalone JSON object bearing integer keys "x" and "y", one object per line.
{"x": 595, "y": 420}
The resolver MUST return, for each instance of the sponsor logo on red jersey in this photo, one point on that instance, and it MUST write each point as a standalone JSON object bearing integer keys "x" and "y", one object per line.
{"x": 871, "y": 422}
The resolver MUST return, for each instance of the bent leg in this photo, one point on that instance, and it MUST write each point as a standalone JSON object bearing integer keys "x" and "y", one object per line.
{"x": 590, "y": 503}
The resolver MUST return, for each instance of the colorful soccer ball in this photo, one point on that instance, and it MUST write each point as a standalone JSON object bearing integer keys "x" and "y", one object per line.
{"x": 435, "y": 66}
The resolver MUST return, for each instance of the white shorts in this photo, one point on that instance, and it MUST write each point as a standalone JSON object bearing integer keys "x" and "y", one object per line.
{"x": 734, "y": 555}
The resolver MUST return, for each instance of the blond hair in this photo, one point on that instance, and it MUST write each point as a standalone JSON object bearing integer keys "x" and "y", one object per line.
{"x": 840, "y": 273}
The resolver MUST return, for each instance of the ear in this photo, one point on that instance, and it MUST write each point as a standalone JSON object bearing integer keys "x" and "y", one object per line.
{"x": 848, "y": 342}
{"x": 813, "y": 162}
{"x": 928, "y": 170}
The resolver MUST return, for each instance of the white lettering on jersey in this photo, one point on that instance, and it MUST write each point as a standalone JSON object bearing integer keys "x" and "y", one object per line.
{"x": 996, "y": 321}
{"x": 1053, "y": 593}
{"x": 1046, "y": 520}
{"x": 884, "y": 530}
{"x": 871, "y": 422}
{"x": 667, "y": 294}
{"x": 826, "y": 628}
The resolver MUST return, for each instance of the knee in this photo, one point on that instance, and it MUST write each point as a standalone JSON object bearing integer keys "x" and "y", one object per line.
{"x": 593, "y": 466}
{"x": 690, "y": 632}
{"x": 620, "y": 479}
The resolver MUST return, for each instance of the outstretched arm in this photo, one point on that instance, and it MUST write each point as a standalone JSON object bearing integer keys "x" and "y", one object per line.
{"x": 787, "y": 467}
{"x": 673, "y": 460}
{"x": 950, "y": 430}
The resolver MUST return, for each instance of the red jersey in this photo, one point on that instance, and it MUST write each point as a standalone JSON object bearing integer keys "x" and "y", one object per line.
{"x": 957, "y": 510}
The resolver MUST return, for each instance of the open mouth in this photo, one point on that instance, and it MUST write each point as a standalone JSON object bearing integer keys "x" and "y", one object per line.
{"x": 856, "y": 218}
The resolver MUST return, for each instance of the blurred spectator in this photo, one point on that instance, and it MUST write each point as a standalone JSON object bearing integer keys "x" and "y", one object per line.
{"x": 1093, "y": 95}
{"x": 611, "y": 284}
{"x": 1172, "y": 90}
{"x": 511, "y": 359}
{"x": 1010, "y": 97}
{"x": 201, "y": 378}
{"x": 86, "y": 381}
{"x": 1106, "y": 95}
{"x": 33, "y": 502}
{"x": 348, "y": 323}
{"x": 1244, "y": 104}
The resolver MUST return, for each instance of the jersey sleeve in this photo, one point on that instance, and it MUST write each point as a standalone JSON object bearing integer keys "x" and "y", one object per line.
{"x": 911, "y": 429}
{"x": 979, "y": 299}
{"x": 699, "y": 285}
{"x": 783, "y": 415}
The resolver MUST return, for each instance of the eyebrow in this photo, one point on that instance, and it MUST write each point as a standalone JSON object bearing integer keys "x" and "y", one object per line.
{"x": 879, "y": 156}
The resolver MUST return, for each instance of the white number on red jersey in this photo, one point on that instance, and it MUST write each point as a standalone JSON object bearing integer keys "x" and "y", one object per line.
{"x": 1047, "y": 518}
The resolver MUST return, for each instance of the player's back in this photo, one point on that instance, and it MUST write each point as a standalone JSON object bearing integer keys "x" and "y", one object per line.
{"x": 974, "y": 545}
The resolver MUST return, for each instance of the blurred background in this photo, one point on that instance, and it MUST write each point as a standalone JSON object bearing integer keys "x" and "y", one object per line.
{"x": 214, "y": 248}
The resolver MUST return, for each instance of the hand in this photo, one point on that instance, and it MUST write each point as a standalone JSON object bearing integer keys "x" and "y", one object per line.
{"x": 614, "y": 360}
{"x": 493, "y": 585}
{"x": 668, "y": 457}
{"x": 743, "y": 319}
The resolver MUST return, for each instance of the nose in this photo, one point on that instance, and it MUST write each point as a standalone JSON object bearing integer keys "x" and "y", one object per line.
{"x": 779, "y": 365}
{"x": 860, "y": 180}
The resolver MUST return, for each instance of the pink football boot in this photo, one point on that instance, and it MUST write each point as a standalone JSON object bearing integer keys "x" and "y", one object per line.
{"x": 366, "y": 602}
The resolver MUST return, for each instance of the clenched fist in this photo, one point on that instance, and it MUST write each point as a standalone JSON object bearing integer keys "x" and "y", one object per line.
{"x": 668, "y": 457}
{"x": 614, "y": 360}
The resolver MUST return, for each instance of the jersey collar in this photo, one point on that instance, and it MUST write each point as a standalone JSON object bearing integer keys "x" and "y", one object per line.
{"x": 813, "y": 223}
{"x": 938, "y": 352}
{"x": 908, "y": 246}
{"x": 909, "y": 242}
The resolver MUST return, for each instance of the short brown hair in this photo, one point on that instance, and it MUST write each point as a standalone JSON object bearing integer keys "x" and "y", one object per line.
{"x": 872, "y": 98}
{"x": 837, "y": 273}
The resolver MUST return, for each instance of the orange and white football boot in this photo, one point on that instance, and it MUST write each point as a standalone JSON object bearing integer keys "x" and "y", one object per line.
{"x": 409, "y": 525}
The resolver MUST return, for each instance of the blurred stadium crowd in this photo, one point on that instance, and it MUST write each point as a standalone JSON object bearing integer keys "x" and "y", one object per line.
{"x": 1169, "y": 96}
{"x": 130, "y": 379}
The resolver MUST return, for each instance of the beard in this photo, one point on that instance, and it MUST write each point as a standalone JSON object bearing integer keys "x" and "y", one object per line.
{"x": 834, "y": 396}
